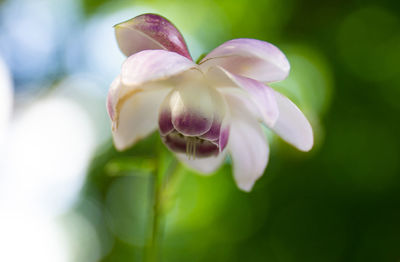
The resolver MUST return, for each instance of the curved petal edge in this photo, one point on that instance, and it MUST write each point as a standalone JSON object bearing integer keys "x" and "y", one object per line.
{"x": 292, "y": 126}
{"x": 149, "y": 31}
{"x": 137, "y": 117}
{"x": 260, "y": 94}
{"x": 247, "y": 145}
{"x": 153, "y": 65}
{"x": 251, "y": 58}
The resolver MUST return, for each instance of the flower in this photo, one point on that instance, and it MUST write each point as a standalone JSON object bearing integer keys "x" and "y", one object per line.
{"x": 207, "y": 110}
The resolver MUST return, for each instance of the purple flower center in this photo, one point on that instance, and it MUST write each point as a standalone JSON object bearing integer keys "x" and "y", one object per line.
{"x": 191, "y": 145}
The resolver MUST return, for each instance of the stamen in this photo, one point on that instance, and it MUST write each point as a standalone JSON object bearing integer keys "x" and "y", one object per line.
{"x": 191, "y": 143}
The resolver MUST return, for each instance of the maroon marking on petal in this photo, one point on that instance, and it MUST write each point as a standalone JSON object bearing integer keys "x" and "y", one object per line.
{"x": 223, "y": 138}
{"x": 177, "y": 143}
{"x": 164, "y": 32}
{"x": 214, "y": 132}
{"x": 165, "y": 122}
{"x": 206, "y": 149}
{"x": 191, "y": 124}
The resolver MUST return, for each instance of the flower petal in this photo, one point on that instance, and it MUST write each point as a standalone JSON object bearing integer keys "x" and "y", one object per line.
{"x": 224, "y": 136}
{"x": 152, "y": 65}
{"x": 196, "y": 106}
{"x": 203, "y": 165}
{"x": 251, "y": 58}
{"x": 247, "y": 145}
{"x": 137, "y": 116}
{"x": 292, "y": 126}
{"x": 113, "y": 96}
{"x": 262, "y": 95}
{"x": 149, "y": 31}
{"x": 192, "y": 110}
{"x": 165, "y": 125}
{"x": 220, "y": 125}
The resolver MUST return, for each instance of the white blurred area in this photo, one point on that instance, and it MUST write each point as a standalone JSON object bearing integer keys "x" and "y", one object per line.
{"x": 5, "y": 100}
{"x": 48, "y": 142}
{"x": 48, "y": 136}
{"x": 47, "y": 150}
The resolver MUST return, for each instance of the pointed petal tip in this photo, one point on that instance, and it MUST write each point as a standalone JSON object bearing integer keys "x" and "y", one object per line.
{"x": 307, "y": 145}
{"x": 292, "y": 125}
{"x": 119, "y": 146}
{"x": 246, "y": 186}
{"x": 122, "y": 143}
{"x": 248, "y": 147}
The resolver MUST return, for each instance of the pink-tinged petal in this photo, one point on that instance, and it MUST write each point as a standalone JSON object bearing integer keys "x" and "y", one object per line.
{"x": 152, "y": 65}
{"x": 262, "y": 95}
{"x": 137, "y": 115}
{"x": 113, "y": 96}
{"x": 247, "y": 145}
{"x": 149, "y": 31}
{"x": 250, "y": 58}
{"x": 223, "y": 137}
{"x": 292, "y": 126}
{"x": 204, "y": 166}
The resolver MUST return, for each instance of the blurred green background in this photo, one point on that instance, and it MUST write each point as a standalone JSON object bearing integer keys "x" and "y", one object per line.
{"x": 339, "y": 202}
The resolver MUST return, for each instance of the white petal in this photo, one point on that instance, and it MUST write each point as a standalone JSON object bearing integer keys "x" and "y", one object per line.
{"x": 137, "y": 116}
{"x": 243, "y": 99}
{"x": 112, "y": 97}
{"x": 192, "y": 109}
{"x": 196, "y": 106}
{"x": 153, "y": 65}
{"x": 247, "y": 145}
{"x": 251, "y": 58}
{"x": 262, "y": 95}
{"x": 292, "y": 126}
{"x": 149, "y": 31}
{"x": 204, "y": 166}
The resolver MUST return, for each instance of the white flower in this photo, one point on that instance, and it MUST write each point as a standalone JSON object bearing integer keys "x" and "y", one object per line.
{"x": 203, "y": 111}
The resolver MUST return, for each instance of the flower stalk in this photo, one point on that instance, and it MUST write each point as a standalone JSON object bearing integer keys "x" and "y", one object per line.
{"x": 163, "y": 183}
{"x": 152, "y": 249}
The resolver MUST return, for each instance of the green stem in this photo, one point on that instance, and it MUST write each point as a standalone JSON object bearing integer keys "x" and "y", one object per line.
{"x": 161, "y": 182}
{"x": 156, "y": 221}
